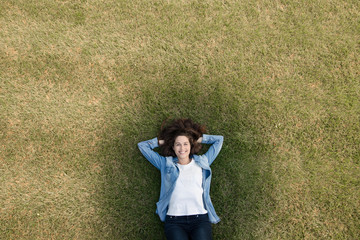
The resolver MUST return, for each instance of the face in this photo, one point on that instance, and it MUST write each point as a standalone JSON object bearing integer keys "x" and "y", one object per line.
{"x": 182, "y": 148}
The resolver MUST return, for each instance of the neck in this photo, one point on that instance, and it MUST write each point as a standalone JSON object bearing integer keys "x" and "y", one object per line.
{"x": 184, "y": 161}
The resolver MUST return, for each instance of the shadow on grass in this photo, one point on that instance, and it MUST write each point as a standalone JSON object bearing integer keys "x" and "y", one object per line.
{"x": 129, "y": 190}
{"x": 241, "y": 185}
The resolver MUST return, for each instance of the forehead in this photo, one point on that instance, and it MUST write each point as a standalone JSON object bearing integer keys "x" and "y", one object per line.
{"x": 181, "y": 139}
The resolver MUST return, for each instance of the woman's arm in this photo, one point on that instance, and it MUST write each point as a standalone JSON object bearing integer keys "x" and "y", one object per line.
{"x": 146, "y": 148}
{"x": 213, "y": 151}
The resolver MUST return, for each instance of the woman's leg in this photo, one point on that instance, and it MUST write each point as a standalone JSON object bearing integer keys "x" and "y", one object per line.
{"x": 176, "y": 233}
{"x": 201, "y": 229}
{"x": 175, "y": 229}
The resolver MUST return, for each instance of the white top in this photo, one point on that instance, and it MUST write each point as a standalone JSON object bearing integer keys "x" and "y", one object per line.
{"x": 187, "y": 197}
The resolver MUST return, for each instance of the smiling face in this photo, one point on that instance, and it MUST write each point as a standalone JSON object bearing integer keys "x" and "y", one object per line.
{"x": 182, "y": 149}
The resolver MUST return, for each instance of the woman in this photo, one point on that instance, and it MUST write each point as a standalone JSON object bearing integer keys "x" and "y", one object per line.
{"x": 184, "y": 203}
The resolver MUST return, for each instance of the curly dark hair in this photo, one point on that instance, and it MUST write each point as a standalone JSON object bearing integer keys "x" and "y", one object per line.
{"x": 180, "y": 127}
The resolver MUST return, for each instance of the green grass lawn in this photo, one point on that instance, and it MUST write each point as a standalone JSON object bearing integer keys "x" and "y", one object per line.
{"x": 82, "y": 82}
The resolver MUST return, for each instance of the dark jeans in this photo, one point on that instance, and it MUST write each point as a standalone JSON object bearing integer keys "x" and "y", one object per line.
{"x": 194, "y": 227}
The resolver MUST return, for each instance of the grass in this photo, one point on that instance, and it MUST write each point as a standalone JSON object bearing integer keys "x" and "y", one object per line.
{"x": 81, "y": 82}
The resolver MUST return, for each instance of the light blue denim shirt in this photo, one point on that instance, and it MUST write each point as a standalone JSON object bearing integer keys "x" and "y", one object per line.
{"x": 170, "y": 172}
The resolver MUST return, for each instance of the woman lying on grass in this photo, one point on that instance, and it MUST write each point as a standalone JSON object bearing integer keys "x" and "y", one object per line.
{"x": 184, "y": 203}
